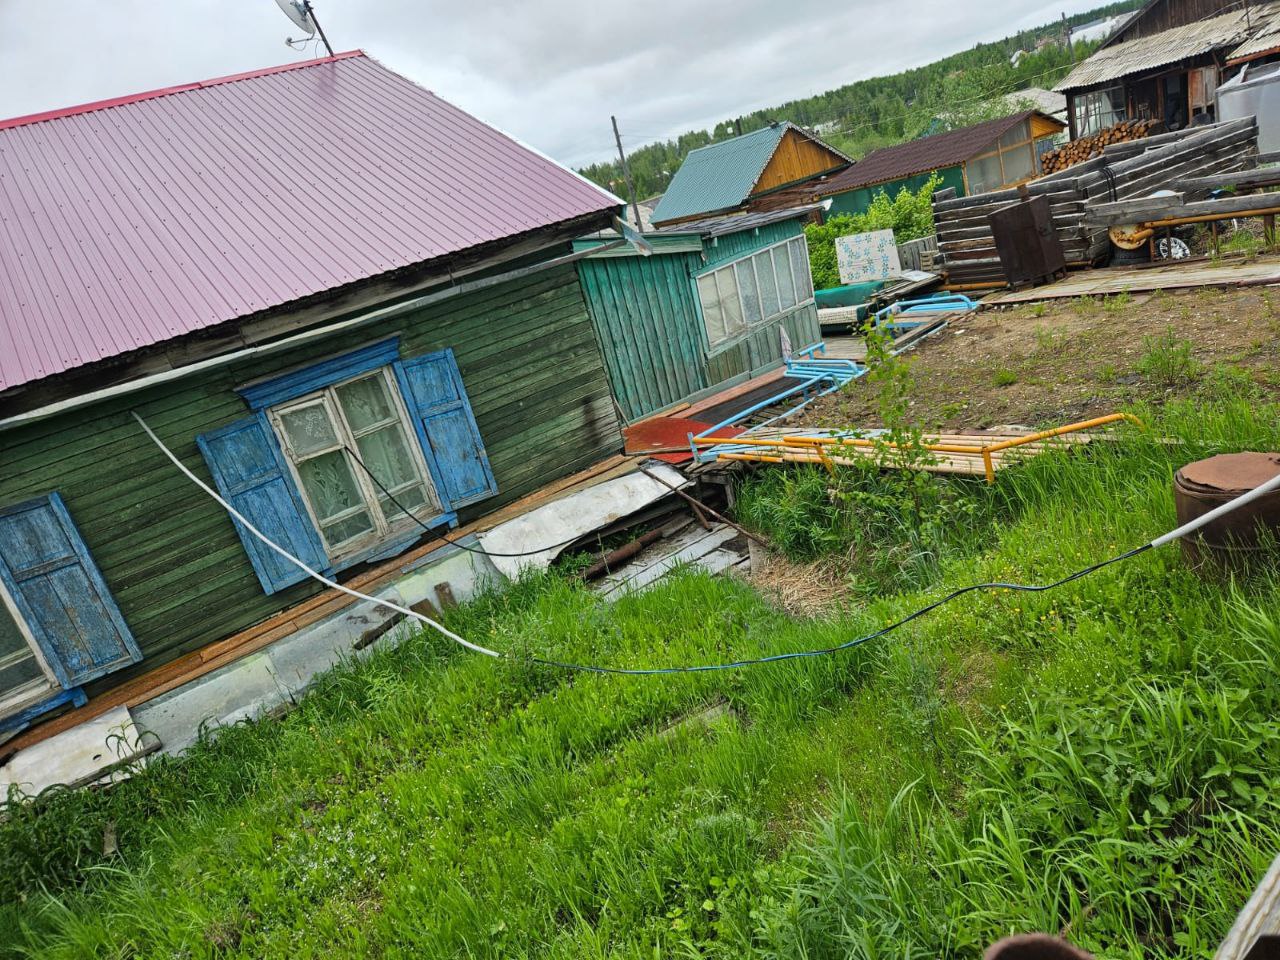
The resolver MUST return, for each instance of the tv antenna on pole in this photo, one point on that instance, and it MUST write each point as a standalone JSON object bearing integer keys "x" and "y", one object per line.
{"x": 304, "y": 18}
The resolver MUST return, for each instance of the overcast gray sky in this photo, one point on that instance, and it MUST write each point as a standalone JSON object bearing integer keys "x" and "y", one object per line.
{"x": 548, "y": 71}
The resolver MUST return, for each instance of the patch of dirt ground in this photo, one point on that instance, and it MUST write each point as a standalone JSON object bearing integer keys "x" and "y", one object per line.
{"x": 1060, "y": 361}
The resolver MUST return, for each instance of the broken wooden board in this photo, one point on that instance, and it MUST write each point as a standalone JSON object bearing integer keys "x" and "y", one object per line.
{"x": 573, "y": 517}
{"x": 707, "y": 550}
{"x": 101, "y": 748}
{"x": 1171, "y": 276}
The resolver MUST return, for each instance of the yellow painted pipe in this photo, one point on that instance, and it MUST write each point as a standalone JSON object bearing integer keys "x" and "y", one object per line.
{"x": 1059, "y": 431}
{"x": 1207, "y": 217}
{"x": 816, "y": 454}
{"x": 859, "y": 442}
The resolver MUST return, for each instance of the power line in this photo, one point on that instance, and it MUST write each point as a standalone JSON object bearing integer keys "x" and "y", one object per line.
{"x": 668, "y": 138}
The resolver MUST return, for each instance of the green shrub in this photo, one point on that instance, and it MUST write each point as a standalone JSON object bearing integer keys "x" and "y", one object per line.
{"x": 909, "y": 215}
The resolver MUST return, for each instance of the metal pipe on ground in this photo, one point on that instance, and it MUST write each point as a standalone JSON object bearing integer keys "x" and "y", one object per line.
{"x": 616, "y": 558}
{"x": 699, "y": 504}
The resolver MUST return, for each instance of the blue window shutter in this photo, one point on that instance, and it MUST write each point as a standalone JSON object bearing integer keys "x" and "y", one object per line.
{"x": 432, "y": 385}
{"x": 60, "y": 593}
{"x": 249, "y": 471}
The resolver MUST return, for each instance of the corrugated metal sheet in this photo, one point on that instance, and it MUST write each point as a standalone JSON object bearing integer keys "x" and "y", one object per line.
{"x": 1265, "y": 39}
{"x": 719, "y": 175}
{"x": 1046, "y": 101}
{"x": 1169, "y": 46}
{"x": 736, "y": 223}
{"x": 127, "y": 223}
{"x": 920, "y": 156}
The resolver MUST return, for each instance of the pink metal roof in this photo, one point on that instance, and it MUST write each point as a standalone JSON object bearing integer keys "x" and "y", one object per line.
{"x": 126, "y": 222}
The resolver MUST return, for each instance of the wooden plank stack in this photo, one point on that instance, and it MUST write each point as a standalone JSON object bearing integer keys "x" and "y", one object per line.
{"x": 1086, "y": 148}
{"x": 1133, "y": 168}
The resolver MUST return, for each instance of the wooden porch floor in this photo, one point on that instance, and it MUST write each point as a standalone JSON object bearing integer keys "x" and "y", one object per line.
{"x": 1172, "y": 276}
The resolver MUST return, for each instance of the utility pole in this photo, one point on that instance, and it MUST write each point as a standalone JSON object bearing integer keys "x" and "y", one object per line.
{"x": 626, "y": 172}
{"x": 1066, "y": 32}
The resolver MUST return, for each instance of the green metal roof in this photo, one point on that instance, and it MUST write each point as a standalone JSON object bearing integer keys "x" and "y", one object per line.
{"x": 720, "y": 175}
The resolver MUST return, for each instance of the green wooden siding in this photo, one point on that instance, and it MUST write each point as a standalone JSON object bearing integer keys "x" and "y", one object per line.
{"x": 858, "y": 201}
{"x": 647, "y": 317}
{"x": 649, "y": 322}
{"x": 721, "y": 250}
{"x": 171, "y": 557}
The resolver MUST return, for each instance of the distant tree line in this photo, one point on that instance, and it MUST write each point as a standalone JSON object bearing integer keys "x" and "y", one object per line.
{"x": 859, "y": 117}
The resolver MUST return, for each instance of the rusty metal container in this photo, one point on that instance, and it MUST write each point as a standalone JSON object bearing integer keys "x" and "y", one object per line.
{"x": 1232, "y": 541}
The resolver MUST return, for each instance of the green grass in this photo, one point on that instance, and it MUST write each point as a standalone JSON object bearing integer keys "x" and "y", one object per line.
{"x": 1101, "y": 758}
{"x": 1168, "y": 360}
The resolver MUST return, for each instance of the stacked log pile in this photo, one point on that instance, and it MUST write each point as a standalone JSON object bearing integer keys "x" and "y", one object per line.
{"x": 1086, "y": 148}
{"x": 1133, "y": 168}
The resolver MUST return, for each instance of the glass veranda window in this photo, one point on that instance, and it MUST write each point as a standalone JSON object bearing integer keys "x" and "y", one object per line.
{"x": 754, "y": 289}
{"x": 363, "y": 416}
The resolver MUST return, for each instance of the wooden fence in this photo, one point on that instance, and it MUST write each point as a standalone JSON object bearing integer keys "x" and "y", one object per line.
{"x": 1134, "y": 169}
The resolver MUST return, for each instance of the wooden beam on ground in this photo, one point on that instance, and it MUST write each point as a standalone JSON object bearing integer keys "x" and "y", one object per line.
{"x": 1152, "y": 209}
{"x": 1259, "y": 918}
{"x": 1250, "y": 179}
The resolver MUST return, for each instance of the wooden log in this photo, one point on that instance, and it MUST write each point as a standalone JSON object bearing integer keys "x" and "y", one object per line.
{"x": 1169, "y": 208}
{"x": 1249, "y": 178}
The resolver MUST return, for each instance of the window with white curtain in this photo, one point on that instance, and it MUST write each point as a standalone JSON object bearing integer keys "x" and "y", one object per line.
{"x": 323, "y": 432}
{"x": 755, "y": 289}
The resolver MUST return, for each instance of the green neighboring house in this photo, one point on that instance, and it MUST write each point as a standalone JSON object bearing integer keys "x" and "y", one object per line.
{"x": 724, "y": 177}
{"x": 707, "y": 309}
{"x": 288, "y": 274}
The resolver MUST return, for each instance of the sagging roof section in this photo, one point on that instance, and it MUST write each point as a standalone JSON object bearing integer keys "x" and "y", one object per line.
{"x": 736, "y": 223}
{"x": 128, "y": 222}
{"x": 1116, "y": 60}
{"x": 1264, "y": 41}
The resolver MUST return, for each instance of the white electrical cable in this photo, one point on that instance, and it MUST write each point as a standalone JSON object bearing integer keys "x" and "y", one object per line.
{"x": 313, "y": 574}
{"x": 1181, "y": 531}
{"x": 1214, "y": 514}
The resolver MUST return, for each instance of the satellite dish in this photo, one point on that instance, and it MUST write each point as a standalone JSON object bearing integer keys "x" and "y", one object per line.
{"x": 300, "y": 14}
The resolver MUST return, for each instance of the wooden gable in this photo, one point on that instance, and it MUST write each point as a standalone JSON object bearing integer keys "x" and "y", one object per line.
{"x": 797, "y": 158}
{"x": 1158, "y": 16}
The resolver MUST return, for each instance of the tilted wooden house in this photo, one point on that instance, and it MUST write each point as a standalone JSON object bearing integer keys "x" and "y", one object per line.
{"x": 706, "y": 309}
{"x": 287, "y": 274}
{"x": 722, "y": 178}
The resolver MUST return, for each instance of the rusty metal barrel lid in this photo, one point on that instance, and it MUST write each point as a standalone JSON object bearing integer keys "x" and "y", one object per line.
{"x": 1201, "y": 486}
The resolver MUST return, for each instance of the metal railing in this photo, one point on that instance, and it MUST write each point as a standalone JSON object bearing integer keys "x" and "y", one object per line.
{"x": 819, "y": 449}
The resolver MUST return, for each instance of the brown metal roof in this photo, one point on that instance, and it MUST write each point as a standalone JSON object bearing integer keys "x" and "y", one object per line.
{"x": 899, "y": 162}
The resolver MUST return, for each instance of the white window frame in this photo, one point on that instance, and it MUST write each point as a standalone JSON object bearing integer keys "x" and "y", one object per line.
{"x": 1087, "y": 112}
{"x": 35, "y": 690}
{"x": 791, "y": 243}
{"x": 383, "y": 529}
